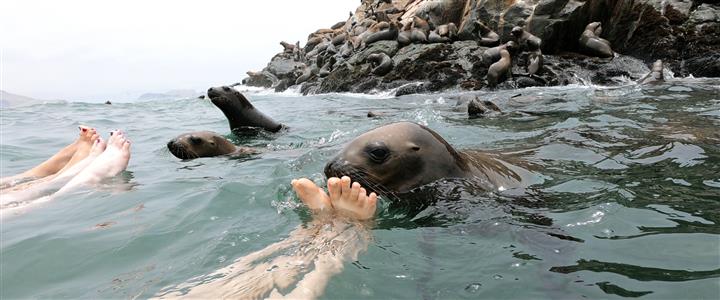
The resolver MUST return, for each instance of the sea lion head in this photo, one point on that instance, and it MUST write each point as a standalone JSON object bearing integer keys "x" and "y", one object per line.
{"x": 517, "y": 31}
{"x": 200, "y": 144}
{"x": 397, "y": 158}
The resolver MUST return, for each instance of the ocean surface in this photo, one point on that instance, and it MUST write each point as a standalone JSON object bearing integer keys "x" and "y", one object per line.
{"x": 628, "y": 204}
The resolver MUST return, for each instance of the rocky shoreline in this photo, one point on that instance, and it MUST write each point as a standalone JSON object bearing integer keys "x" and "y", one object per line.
{"x": 415, "y": 46}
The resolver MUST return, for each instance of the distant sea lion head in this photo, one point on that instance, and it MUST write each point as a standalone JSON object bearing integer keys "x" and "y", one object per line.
{"x": 397, "y": 158}
{"x": 200, "y": 144}
{"x": 517, "y": 31}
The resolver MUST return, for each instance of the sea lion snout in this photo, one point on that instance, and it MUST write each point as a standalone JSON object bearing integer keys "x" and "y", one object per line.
{"x": 333, "y": 168}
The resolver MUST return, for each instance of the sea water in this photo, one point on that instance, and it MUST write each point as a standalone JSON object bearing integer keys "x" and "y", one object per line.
{"x": 628, "y": 204}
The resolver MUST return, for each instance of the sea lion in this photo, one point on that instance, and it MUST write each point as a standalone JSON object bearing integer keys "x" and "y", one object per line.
{"x": 346, "y": 50}
{"x": 241, "y": 114}
{"x": 487, "y": 36}
{"x": 204, "y": 144}
{"x": 312, "y": 42}
{"x": 382, "y": 62}
{"x": 525, "y": 40}
{"x": 481, "y": 108}
{"x": 339, "y": 39}
{"x": 338, "y": 25}
{"x": 434, "y": 37}
{"x": 500, "y": 70}
{"x": 492, "y": 55}
{"x": 448, "y": 30}
{"x": 389, "y": 34}
{"x": 421, "y": 24}
{"x": 400, "y": 157}
{"x": 404, "y": 35}
{"x": 307, "y": 72}
{"x": 591, "y": 43}
{"x": 535, "y": 62}
{"x": 655, "y": 75}
{"x": 418, "y": 36}
{"x": 287, "y": 47}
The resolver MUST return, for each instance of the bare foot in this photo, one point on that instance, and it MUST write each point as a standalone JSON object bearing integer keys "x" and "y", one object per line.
{"x": 47, "y": 185}
{"x": 351, "y": 200}
{"x": 48, "y": 167}
{"x": 312, "y": 195}
{"x": 88, "y": 136}
{"x": 109, "y": 163}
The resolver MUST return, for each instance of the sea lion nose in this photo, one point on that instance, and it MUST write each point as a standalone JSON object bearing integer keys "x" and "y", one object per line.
{"x": 332, "y": 168}
{"x": 212, "y": 92}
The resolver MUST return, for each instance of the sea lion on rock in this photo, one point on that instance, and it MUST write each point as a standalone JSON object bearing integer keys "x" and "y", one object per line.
{"x": 346, "y": 50}
{"x": 525, "y": 40}
{"x": 339, "y": 39}
{"x": 535, "y": 62}
{"x": 404, "y": 35}
{"x": 421, "y": 24}
{"x": 382, "y": 62}
{"x": 204, "y": 144}
{"x": 434, "y": 37}
{"x": 491, "y": 55}
{"x": 400, "y": 157}
{"x": 312, "y": 42}
{"x": 500, "y": 70}
{"x": 338, "y": 25}
{"x": 241, "y": 114}
{"x": 389, "y": 34}
{"x": 418, "y": 36}
{"x": 287, "y": 47}
{"x": 307, "y": 72}
{"x": 591, "y": 43}
{"x": 448, "y": 30}
{"x": 487, "y": 36}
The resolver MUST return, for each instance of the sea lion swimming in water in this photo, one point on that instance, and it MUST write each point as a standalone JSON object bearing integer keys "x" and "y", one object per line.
{"x": 241, "y": 114}
{"x": 655, "y": 75}
{"x": 242, "y": 117}
{"x": 204, "y": 144}
{"x": 400, "y": 157}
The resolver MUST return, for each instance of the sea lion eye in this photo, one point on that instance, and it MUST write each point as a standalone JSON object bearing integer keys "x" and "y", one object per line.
{"x": 226, "y": 88}
{"x": 379, "y": 153}
{"x": 195, "y": 140}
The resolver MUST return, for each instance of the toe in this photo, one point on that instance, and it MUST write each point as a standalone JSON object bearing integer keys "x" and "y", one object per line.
{"x": 345, "y": 185}
{"x": 372, "y": 201}
{"x": 334, "y": 188}
{"x": 354, "y": 191}
{"x": 362, "y": 196}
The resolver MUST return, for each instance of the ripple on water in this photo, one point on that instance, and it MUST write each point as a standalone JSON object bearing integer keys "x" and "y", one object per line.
{"x": 627, "y": 207}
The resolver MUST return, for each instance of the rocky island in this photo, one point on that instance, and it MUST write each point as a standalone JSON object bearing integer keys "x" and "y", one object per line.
{"x": 415, "y": 46}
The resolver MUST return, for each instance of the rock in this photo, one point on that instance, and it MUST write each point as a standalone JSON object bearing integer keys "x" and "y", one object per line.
{"x": 387, "y": 47}
{"x": 412, "y": 88}
{"x": 684, "y": 34}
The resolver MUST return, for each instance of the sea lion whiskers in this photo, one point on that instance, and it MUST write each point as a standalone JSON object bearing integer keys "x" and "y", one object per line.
{"x": 366, "y": 179}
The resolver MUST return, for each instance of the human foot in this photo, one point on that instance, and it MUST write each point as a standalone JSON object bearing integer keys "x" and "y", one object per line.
{"x": 84, "y": 143}
{"x": 312, "y": 195}
{"x": 351, "y": 199}
{"x": 109, "y": 163}
{"x": 57, "y": 161}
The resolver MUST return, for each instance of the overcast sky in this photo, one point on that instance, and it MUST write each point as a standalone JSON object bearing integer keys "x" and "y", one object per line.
{"x": 104, "y": 50}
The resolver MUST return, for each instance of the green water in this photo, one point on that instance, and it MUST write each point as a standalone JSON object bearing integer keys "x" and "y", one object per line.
{"x": 629, "y": 205}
